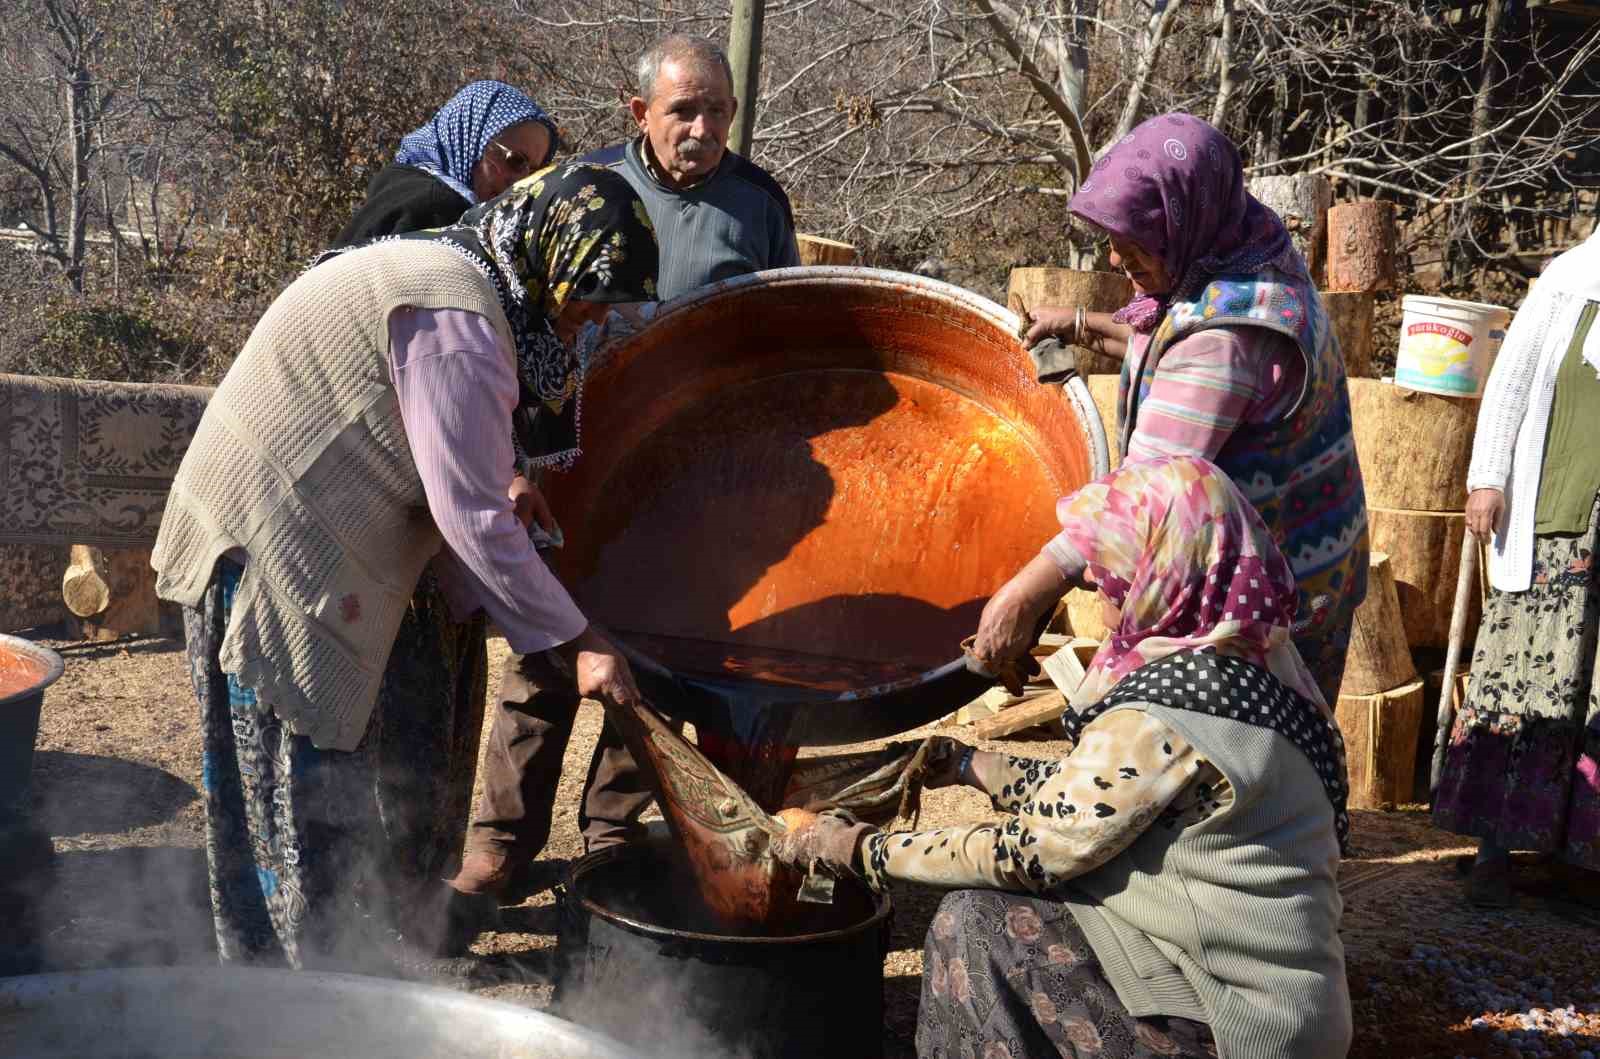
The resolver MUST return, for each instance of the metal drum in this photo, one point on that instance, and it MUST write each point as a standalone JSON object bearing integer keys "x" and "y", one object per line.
{"x": 640, "y": 960}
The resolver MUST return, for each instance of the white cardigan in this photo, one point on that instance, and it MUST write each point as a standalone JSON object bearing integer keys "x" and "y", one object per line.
{"x": 1508, "y": 448}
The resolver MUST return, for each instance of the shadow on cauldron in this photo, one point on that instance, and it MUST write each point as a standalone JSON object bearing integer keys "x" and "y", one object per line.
{"x": 79, "y": 794}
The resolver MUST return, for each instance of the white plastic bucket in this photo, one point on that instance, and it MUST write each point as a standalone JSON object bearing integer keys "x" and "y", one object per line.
{"x": 1448, "y": 346}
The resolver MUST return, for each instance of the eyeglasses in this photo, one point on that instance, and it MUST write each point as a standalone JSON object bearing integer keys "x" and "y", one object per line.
{"x": 518, "y": 163}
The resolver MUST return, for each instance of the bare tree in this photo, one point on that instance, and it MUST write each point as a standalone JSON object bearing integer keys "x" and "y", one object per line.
{"x": 51, "y": 128}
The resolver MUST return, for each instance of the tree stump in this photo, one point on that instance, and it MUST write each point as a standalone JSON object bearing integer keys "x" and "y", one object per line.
{"x": 815, "y": 250}
{"x": 1380, "y": 744}
{"x": 1424, "y": 549}
{"x": 1362, "y": 237}
{"x": 1414, "y": 447}
{"x": 112, "y": 592}
{"x": 1379, "y": 657}
{"x": 1350, "y": 314}
{"x": 1302, "y": 200}
{"x": 1097, "y": 292}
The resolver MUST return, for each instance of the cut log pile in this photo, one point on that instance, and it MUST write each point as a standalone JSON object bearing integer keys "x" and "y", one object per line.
{"x": 1414, "y": 449}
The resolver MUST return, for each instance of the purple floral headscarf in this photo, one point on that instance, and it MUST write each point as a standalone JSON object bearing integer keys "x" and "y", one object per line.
{"x": 1175, "y": 187}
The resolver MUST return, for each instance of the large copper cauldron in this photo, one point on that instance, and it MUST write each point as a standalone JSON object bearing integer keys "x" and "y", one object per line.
{"x": 815, "y": 477}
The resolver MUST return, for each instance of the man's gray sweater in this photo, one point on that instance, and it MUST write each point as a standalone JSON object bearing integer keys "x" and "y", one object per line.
{"x": 737, "y": 220}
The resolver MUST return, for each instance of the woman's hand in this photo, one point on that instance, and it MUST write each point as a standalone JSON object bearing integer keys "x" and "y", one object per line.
{"x": 942, "y": 766}
{"x": 529, "y": 505}
{"x": 1485, "y": 507}
{"x": 602, "y": 673}
{"x": 1006, "y": 627}
{"x": 1050, "y": 321}
{"x": 830, "y": 840}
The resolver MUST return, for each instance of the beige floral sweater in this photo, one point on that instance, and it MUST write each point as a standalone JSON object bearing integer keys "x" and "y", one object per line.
{"x": 1129, "y": 772}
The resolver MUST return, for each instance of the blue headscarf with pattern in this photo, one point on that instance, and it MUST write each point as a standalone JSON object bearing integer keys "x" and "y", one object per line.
{"x": 453, "y": 140}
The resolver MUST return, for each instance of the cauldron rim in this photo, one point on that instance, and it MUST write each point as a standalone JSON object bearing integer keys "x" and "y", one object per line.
{"x": 882, "y": 908}
{"x": 53, "y": 663}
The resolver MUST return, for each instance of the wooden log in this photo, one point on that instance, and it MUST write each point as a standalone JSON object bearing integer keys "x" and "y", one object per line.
{"x": 1380, "y": 744}
{"x": 1413, "y": 447}
{"x": 1302, "y": 200}
{"x": 30, "y": 585}
{"x": 1097, "y": 292}
{"x": 112, "y": 591}
{"x": 815, "y": 250}
{"x": 1424, "y": 549}
{"x": 1362, "y": 237}
{"x": 1080, "y": 614}
{"x": 1041, "y": 710}
{"x": 1350, "y": 315}
{"x": 1379, "y": 657}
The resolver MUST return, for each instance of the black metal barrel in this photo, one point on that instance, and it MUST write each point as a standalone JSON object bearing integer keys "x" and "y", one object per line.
{"x": 639, "y": 960}
{"x": 26, "y": 853}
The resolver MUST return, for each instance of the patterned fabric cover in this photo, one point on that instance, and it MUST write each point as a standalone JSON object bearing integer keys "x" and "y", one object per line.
{"x": 86, "y": 462}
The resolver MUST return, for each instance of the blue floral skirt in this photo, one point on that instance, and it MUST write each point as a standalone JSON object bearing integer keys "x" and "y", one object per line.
{"x": 326, "y": 858}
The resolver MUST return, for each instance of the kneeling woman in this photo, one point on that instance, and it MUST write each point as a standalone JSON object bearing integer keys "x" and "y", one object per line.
{"x": 1169, "y": 887}
{"x": 366, "y": 428}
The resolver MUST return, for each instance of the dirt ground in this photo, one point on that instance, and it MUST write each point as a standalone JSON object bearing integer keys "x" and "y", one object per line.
{"x": 116, "y": 785}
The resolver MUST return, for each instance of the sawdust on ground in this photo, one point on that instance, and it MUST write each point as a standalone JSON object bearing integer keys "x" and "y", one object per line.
{"x": 116, "y": 784}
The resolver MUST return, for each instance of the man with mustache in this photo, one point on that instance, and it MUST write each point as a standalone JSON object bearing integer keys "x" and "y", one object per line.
{"x": 716, "y": 215}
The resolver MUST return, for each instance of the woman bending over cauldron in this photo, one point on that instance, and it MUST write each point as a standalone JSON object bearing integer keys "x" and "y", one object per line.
{"x": 1523, "y": 766}
{"x": 1167, "y": 888}
{"x": 365, "y": 434}
{"x": 1227, "y": 354}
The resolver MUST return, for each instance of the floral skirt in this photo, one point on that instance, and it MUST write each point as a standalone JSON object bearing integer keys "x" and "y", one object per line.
{"x": 1523, "y": 765}
{"x": 325, "y": 858}
{"x": 1007, "y": 977}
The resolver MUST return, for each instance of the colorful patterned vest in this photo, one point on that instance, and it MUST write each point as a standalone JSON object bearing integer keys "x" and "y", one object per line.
{"x": 1301, "y": 471}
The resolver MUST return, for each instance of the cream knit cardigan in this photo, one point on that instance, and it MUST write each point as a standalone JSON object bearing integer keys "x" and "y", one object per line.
{"x": 1508, "y": 448}
{"x": 301, "y": 460}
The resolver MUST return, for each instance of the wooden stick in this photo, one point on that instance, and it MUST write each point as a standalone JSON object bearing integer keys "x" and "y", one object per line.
{"x": 1465, "y": 577}
{"x": 1024, "y": 715}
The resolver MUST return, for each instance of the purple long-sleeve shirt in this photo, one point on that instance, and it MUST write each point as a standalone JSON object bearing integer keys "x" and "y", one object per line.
{"x": 457, "y": 387}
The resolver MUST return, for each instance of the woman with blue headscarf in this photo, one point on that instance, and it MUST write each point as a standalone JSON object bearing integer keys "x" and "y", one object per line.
{"x": 487, "y": 137}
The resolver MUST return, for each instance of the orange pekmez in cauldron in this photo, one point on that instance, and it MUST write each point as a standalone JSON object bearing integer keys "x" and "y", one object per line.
{"x": 807, "y": 482}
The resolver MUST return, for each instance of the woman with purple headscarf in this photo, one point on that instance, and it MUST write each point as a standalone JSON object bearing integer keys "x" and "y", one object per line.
{"x": 1228, "y": 355}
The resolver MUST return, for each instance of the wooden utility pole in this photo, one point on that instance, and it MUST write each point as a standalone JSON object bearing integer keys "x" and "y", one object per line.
{"x": 744, "y": 55}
